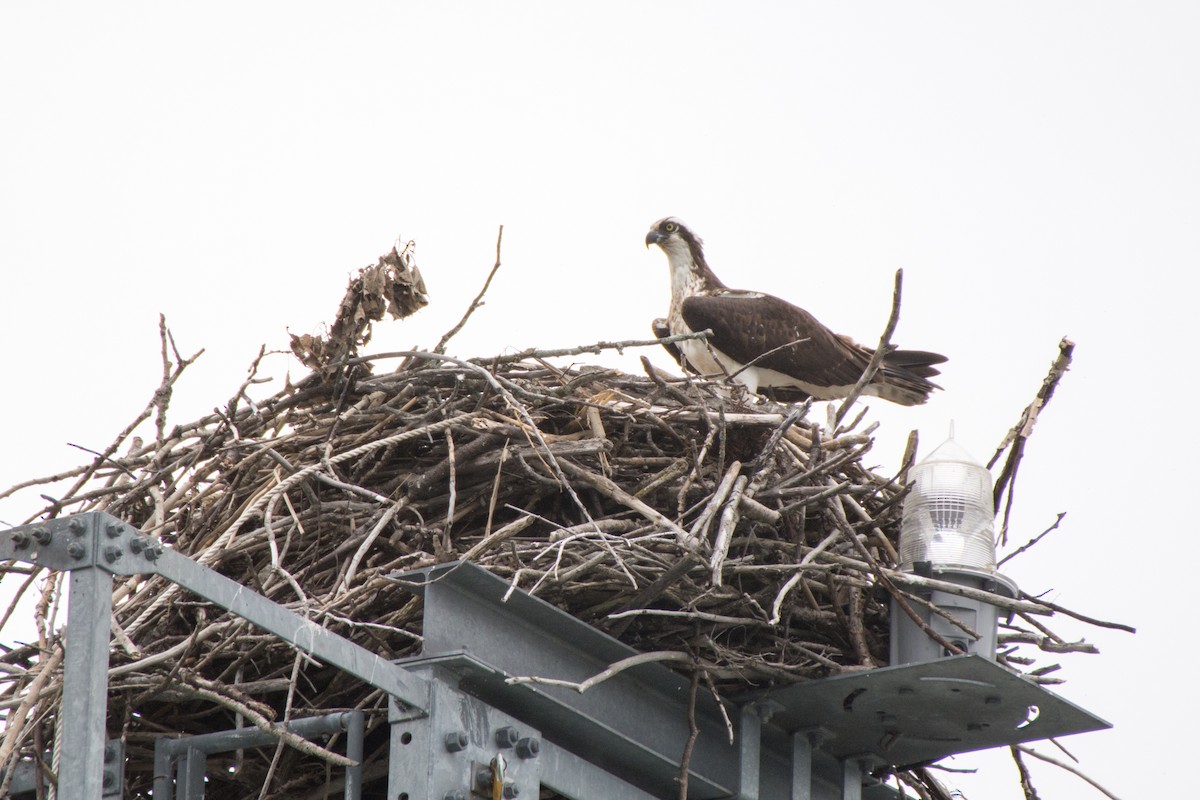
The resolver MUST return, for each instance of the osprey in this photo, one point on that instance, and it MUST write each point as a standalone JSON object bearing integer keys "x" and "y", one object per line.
{"x": 763, "y": 342}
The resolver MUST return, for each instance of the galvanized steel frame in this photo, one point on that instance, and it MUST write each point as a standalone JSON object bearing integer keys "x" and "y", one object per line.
{"x": 621, "y": 740}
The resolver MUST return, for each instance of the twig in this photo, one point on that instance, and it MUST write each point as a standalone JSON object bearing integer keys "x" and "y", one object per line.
{"x": 1069, "y": 768}
{"x": 476, "y": 303}
{"x": 609, "y": 672}
{"x": 877, "y": 357}
{"x": 1032, "y": 541}
{"x": 685, "y": 760}
{"x": 1019, "y": 434}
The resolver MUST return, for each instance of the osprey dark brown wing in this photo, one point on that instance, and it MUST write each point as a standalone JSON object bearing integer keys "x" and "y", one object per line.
{"x": 770, "y": 333}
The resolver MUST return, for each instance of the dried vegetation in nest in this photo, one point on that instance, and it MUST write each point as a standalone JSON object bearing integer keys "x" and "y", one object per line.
{"x": 748, "y": 538}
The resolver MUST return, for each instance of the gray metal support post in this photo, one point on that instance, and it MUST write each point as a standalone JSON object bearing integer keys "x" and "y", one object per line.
{"x": 85, "y": 684}
{"x": 190, "y": 775}
{"x": 852, "y": 784}
{"x": 354, "y": 749}
{"x": 749, "y": 752}
{"x": 802, "y": 760}
{"x": 164, "y": 787}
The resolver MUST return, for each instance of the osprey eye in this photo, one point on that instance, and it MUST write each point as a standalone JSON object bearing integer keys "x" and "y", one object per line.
{"x": 670, "y": 227}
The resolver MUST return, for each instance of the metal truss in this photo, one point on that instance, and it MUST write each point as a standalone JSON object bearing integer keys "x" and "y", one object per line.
{"x": 461, "y": 728}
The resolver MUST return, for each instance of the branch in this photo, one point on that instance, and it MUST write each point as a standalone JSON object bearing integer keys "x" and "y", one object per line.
{"x": 1017, "y": 436}
{"x": 476, "y": 303}
{"x": 612, "y": 670}
{"x": 885, "y": 347}
{"x": 1073, "y": 770}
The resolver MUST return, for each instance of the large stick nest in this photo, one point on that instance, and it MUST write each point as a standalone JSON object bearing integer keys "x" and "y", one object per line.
{"x": 747, "y": 536}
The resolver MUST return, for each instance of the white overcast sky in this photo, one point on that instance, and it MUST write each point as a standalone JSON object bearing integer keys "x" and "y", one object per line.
{"x": 1033, "y": 167}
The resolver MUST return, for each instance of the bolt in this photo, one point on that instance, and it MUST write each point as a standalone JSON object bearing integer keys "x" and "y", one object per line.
{"x": 136, "y": 544}
{"x": 456, "y": 741}
{"x": 507, "y": 736}
{"x": 77, "y": 527}
{"x": 42, "y": 535}
{"x": 153, "y": 552}
{"x": 20, "y": 540}
{"x": 510, "y": 790}
{"x": 109, "y": 780}
{"x": 528, "y": 747}
{"x": 457, "y": 794}
{"x": 112, "y": 553}
{"x": 483, "y": 777}
{"x": 75, "y": 550}
{"x": 110, "y": 752}
{"x": 112, "y": 530}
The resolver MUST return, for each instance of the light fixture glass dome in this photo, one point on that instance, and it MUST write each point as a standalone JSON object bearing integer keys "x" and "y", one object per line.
{"x": 948, "y": 514}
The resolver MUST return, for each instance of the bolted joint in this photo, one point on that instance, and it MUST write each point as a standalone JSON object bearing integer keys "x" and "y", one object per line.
{"x": 42, "y": 535}
{"x": 507, "y": 736}
{"x": 483, "y": 778}
{"x": 152, "y": 552}
{"x": 77, "y": 527}
{"x": 112, "y": 553}
{"x": 20, "y": 540}
{"x": 112, "y": 530}
{"x": 457, "y": 794}
{"x": 510, "y": 790}
{"x": 136, "y": 544}
{"x": 529, "y": 747}
{"x": 76, "y": 550}
{"x": 456, "y": 741}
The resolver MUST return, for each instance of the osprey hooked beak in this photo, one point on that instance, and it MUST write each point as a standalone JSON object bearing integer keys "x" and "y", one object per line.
{"x": 663, "y": 229}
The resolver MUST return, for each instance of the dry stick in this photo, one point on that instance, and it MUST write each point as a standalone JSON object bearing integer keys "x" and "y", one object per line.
{"x": 1017, "y": 436}
{"x": 619, "y": 495}
{"x": 1054, "y": 608}
{"x": 696, "y": 534}
{"x": 685, "y": 759}
{"x": 287, "y": 716}
{"x": 522, "y": 411}
{"x": 214, "y": 550}
{"x": 1023, "y": 771}
{"x": 703, "y": 616}
{"x": 1069, "y": 768}
{"x": 18, "y": 719}
{"x": 611, "y": 670}
{"x": 476, "y": 303}
{"x": 877, "y": 357}
{"x": 839, "y": 515}
{"x": 799, "y": 573}
{"x": 163, "y": 390}
{"x": 453, "y": 500}
{"x": 498, "y": 361}
{"x": 1032, "y": 541}
{"x": 262, "y": 723}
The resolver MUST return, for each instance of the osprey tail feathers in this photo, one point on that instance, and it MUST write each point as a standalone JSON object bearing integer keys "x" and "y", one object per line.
{"x": 904, "y": 377}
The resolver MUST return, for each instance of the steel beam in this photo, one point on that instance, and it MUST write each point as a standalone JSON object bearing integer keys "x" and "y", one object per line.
{"x": 633, "y": 726}
{"x": 85, "y": 684}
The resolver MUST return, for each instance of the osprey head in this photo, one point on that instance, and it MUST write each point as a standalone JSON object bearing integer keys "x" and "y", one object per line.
{"x": 685, "y": 254}
{"x": 675, "y": 238}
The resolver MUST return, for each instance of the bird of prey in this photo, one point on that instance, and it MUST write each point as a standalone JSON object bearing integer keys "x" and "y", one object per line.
{"x": 765, "y": 343}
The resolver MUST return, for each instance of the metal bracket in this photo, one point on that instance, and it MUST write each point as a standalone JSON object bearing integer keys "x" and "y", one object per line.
{"x": 185, "y": 756}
